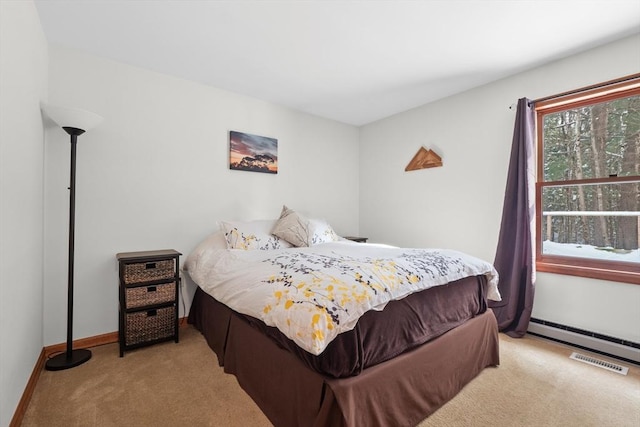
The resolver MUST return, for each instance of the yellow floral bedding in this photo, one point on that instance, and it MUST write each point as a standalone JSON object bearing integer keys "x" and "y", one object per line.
{"x": 313, "y": 294}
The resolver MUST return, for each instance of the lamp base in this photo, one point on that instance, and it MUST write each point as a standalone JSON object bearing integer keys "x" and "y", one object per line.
{"x": 61, "y": 361}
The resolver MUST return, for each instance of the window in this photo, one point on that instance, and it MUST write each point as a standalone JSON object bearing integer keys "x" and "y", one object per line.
{"x": 588, "y": 186}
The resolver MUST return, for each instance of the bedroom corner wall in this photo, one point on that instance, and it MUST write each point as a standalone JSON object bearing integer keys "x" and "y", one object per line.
{"x": 23, "y": 84}
{"x": 155, "y": 175}
{"x": 459, "y": 205}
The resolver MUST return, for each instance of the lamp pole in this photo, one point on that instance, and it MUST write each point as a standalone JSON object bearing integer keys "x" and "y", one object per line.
{"x": 71, "y": 357}
{"x": 75, "y": 122}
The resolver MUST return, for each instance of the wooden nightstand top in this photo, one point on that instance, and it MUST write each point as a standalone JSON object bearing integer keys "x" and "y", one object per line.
{"x": 357, "y": 239}
{"x": 148, "y": 254}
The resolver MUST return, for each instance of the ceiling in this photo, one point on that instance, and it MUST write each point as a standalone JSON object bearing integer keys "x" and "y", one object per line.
{"x": 351, "y": 61}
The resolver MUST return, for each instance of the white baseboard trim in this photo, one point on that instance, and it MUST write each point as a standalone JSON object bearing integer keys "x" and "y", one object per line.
{"x": 587, "y": 342}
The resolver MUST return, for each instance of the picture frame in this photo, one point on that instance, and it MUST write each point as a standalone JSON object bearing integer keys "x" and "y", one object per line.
{"x": 253, "y": 153}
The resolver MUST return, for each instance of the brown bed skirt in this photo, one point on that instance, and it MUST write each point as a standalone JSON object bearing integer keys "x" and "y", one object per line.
{"x": 399, "y": 392}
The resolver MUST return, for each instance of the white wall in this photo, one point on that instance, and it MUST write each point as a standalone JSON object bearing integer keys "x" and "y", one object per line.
{"x": 23, "y": 84}
{"x": 459, "y": 205}
{"x": 155, "y": 175}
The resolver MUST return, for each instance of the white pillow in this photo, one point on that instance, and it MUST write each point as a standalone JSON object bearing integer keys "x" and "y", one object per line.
{"x": 321, "y": 232}
{"x": 250, "y": 235}
{"x": 292, "y": 227}
{"x": 213, "y": 241}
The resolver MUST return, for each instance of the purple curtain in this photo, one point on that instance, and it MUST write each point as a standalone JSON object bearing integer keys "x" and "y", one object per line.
{"x": 514, "y": 259}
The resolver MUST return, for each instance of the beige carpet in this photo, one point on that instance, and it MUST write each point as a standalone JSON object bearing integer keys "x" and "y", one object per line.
{"x": 181, "y": 385}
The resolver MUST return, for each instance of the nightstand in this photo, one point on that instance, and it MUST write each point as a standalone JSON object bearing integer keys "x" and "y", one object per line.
{"x": 357, "y": 239}
{"x": 149, "y": 284}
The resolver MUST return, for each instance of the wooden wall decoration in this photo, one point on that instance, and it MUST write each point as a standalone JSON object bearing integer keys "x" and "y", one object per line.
{"x": 424, "y": 159}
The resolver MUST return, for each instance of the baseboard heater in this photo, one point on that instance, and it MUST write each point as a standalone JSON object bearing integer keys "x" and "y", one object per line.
{"x": 628, "y": 351}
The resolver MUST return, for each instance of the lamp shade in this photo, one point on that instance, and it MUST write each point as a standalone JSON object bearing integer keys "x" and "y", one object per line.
{"x": 71, "y": 117}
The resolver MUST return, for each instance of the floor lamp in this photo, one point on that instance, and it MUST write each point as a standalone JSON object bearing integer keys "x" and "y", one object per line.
{"x": 75, "y": 122}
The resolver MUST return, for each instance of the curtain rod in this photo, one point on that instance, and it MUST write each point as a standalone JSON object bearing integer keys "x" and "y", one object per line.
{"x": 515, "y": 104}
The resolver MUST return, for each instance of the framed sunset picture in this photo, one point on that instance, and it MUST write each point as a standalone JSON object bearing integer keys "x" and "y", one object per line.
{"x": 252, "y": 153}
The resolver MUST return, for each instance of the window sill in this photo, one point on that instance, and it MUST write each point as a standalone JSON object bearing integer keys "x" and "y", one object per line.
{"x": 590, "y": 272}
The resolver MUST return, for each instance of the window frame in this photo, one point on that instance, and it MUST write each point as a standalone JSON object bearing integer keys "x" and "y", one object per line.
{"x": 618, "y": 271}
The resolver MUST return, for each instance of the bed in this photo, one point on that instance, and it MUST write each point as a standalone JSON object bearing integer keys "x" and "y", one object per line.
{"x": 341, "y": 333}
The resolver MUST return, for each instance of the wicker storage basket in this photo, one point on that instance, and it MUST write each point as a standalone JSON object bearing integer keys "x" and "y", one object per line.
{"x": 147, "y": 271}
{"x": 150, "y": 295}
{"x": 149, "y": 325}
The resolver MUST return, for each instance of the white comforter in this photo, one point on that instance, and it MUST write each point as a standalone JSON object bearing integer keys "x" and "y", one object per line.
{"x": 313, "y": 294}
